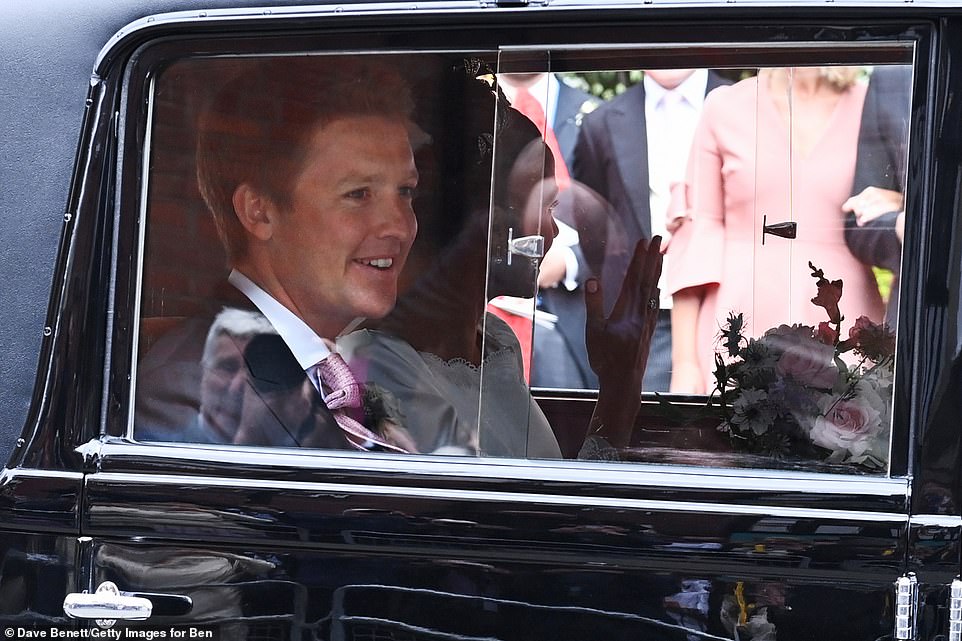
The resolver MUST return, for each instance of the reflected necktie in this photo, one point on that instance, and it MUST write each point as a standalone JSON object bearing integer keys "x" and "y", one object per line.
{"x": 530, "y": 107}
{"x": 345, "y": 394}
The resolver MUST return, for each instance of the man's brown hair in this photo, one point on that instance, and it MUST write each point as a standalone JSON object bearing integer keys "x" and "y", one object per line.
{"x": 258, "y": 125}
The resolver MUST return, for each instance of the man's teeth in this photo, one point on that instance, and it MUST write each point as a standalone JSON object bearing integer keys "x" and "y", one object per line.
{"x": 380, "y": 263}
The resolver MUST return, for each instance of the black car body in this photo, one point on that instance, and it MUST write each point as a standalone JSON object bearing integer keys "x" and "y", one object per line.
{"x": 280, "y": 543}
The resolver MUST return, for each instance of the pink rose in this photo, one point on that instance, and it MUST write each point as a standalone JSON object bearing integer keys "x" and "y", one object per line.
{"x": 848, "y": 426}
{"x": 778, "y": 335}
{"x": 809, "y": 363}
{"x": 872, "y": 340}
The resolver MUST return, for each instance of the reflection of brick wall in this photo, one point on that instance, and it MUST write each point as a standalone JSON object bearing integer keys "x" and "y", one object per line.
{"x": 184, "y": 258}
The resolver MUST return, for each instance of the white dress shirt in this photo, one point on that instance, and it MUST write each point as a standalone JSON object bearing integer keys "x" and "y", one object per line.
{"x": 308, "y": 348}
{"x": 545, "y": 90}
{"x": 671, "y": 116}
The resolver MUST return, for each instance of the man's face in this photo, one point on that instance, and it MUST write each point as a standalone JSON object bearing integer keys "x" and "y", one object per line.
{"x": 222, "y": 386}
{"x": 337, "y": 252}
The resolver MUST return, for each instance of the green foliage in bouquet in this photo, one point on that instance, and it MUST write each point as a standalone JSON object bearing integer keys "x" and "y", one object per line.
{"x": 804, "y": 392}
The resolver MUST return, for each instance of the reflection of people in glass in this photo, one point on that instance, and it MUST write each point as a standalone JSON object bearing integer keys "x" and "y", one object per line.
{"x": 430, "y": 350}
{"x": 781, "y": 144}
{"x": 630, "y": 151}
{"x": 559, "y": 358}
{"x": 307, "y": 167}
{"x": 224, "y": 382}
{"x": 876, "y": 220}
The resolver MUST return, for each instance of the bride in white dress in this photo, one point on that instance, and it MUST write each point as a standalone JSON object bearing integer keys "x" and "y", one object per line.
{"x": 452, "y": 372}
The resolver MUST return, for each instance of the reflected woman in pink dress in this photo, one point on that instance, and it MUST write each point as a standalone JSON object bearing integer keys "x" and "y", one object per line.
{"x": 780, "y": 145}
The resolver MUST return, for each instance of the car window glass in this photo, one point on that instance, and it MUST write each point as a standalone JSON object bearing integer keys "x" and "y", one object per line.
{"x": 443, "y": 253}
{"x": 778, "y": 193}
{"x": 280, "y": 213}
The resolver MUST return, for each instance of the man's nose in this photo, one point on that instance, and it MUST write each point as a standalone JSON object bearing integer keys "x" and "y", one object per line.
{"x": 237, "y": 383}
{"x": 399, "y": 220}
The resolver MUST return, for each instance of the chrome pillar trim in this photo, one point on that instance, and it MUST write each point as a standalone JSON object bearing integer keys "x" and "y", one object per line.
{"x": 906, "y": 605}
{"x": 106, "y": 605}
{"x": 955, "y": 610}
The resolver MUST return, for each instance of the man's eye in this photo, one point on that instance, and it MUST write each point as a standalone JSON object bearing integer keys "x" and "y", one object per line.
{"x": 409, "y": 191}
{"x": 223, "y": 368}
{"x": 552, "y": 207}
{"x": 358, "y": 194}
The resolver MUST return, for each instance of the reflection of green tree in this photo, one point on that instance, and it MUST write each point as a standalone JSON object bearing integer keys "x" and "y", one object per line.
{"x": 884, "y": 279}
{"x": 604, "y": 84}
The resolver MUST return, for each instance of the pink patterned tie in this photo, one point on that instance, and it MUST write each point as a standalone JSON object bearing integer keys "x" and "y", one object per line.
{"x": 345, "y": 394}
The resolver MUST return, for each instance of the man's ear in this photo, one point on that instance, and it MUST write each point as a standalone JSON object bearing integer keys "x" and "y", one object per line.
{"x": 254, "y": 211}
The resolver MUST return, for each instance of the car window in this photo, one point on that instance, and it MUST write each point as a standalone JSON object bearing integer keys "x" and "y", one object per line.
{"x": 280, "y": 213}
{"x": 327, "y": 266}
{"x": 778, "y": 191}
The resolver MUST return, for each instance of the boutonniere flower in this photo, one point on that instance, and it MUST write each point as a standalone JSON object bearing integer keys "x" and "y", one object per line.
{"x": 383, "y": 416}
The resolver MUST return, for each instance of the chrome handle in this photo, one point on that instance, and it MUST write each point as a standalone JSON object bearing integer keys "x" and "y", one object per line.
{"x": 107, "y": 604}
{"x": 528, "y": 246}
{"x": 782, "y": 230}
{"x": 906, "y": 605}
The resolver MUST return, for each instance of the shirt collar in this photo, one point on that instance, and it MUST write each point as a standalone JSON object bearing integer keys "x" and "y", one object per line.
{"x": 693, "y": 89}
{"x": 308, "y": 348}
{"x": 545, "y": 90}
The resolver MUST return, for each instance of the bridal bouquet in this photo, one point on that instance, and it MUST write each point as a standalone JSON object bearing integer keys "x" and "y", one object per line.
{"x": 801, "y": 391}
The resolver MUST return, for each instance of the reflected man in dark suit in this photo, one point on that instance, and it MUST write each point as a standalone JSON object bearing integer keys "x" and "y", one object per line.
{"x": 631, "y": 164}
{"x": 876, "y": 211}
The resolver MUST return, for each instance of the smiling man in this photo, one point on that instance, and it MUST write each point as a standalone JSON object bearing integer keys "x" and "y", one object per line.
{"x": 306, "y": 165}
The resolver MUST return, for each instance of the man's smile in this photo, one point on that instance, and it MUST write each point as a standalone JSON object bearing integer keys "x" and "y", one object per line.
{"x": 379, "y": 263}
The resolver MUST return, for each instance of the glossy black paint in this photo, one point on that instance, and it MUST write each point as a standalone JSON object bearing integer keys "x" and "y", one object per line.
{"x": 322, "y": 545}
{"x": 510, "y": 597}
{"x": 35, "y": 571}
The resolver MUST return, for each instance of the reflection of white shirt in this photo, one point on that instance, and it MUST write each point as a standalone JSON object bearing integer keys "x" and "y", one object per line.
{"x": 671, "y": 117}
{"x": 566, "y": 239}
{"x": 545, "y": 90}
{"x": 308, "y": 348}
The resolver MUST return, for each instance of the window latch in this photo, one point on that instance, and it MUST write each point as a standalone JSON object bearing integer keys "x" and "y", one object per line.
{"x": 782, "y": 230}
{"x": 528, "y": 246}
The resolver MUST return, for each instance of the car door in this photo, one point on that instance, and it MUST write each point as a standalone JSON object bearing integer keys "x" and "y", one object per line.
{"x": 680, "y": 535}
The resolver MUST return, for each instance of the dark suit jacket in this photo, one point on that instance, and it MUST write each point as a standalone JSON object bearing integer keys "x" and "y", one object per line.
{"x": 561, "y": 358}
{"x": 611, "y": 157}
{"x": 611, "y": 164}
{"x": 880, "y": 162}
{"x": 280, "y": 406}
{"x": 572, "y": 107}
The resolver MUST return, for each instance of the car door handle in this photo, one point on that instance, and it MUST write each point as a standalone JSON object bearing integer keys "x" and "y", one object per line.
{"x": 782, "y": 230}
{"x": 107, "y": 604}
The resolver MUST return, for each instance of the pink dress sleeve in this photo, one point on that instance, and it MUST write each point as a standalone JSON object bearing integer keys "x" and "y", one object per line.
{"x": 696, "y": 253}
